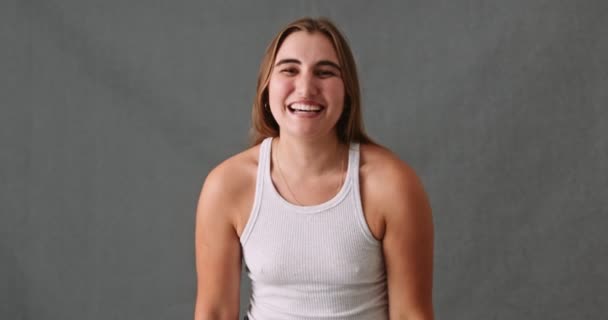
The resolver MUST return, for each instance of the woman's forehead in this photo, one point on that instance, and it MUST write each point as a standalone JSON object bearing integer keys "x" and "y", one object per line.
{"x": 307, "y": 48}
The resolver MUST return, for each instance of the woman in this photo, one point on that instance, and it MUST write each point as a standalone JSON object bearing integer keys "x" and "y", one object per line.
{"x": 330, "y": 224}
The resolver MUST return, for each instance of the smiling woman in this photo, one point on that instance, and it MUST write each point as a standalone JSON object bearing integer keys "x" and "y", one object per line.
{"x": 330, "y": 224}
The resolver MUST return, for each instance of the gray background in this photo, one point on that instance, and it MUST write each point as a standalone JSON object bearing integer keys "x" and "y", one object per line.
{"x": 113, "y": 112}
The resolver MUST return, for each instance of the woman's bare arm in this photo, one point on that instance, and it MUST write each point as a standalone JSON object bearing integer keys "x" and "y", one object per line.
{"x": 218, "y": 251}
{"x": 407, "y": 242}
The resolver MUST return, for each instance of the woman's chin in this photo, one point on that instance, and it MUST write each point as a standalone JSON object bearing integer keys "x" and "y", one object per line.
{"x": 308, "y": 133}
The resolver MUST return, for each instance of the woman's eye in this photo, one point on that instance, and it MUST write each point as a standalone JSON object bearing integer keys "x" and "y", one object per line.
{"x": 325, "y": 73}
{"x": 289, "y": 71}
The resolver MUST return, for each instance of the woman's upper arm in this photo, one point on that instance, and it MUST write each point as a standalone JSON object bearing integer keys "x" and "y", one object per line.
{"x": 218, "y": 251}
{"x": 408, "y": 245}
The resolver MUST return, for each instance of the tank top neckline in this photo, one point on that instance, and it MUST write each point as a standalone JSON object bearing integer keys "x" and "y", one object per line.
{"x": 316, "y": 208}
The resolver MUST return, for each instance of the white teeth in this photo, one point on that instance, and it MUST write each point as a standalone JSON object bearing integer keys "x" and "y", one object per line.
{"x": 305, "y": 107}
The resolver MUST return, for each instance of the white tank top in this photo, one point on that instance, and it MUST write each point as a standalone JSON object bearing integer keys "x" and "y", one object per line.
{"x": 312, "y": 262}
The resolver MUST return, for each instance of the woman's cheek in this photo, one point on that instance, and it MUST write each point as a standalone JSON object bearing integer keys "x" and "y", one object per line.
{"x": 279, "y": 90}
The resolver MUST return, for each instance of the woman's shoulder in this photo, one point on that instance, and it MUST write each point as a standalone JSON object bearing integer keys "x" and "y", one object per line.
{"x": 232, "y": 178}
{"x": 229, "y": 188}
{"x": 379, "y": 162}
{"x": 389, "y": 182}
{"x": 236, "y": 172}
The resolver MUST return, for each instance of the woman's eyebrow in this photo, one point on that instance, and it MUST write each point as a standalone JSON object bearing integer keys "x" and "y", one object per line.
{"x": 284, "y": 61}
{"x": 329, "y": 63}
{"x": 320, "y": 63}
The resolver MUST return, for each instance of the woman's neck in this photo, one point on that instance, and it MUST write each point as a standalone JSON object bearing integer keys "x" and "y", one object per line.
{"x": 309, "y": 157}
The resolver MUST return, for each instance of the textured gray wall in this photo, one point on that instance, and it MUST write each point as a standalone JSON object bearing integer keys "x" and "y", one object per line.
{"x": 114, "y": 111}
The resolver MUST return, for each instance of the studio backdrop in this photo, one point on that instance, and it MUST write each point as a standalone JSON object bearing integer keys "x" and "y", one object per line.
{"x": 113, "y": 112}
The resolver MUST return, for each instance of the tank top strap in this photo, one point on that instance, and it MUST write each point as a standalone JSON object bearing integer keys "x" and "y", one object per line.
{"x": 355, "y": 158}
{"x": 264, "y": 156}
{"x": 353, "y": 163}
{"x": 263, "y": 163}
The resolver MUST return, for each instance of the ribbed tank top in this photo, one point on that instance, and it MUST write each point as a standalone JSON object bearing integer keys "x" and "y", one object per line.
{"x": 312, "y": 262}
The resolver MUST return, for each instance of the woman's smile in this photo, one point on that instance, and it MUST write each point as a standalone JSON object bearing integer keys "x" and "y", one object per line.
{"x": 305, "y": 109}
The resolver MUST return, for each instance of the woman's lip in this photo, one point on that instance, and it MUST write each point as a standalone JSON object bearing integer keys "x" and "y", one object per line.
{"x": 305, "y": 114}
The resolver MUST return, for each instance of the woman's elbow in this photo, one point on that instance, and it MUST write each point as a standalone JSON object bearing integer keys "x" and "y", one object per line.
{"x": 203, "y": 311}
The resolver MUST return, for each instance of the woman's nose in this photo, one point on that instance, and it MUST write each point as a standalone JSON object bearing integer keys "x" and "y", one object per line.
{"x": 306, "y": 85}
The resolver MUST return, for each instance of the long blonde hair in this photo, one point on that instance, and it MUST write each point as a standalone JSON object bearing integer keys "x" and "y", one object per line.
{"x": 350, "y": 124}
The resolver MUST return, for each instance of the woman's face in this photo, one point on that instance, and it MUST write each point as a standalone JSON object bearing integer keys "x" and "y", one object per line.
{"x": 306, "y": 91}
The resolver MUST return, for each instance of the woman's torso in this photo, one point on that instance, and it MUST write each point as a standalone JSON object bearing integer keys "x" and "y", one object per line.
{"x": 320, "y": 259}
